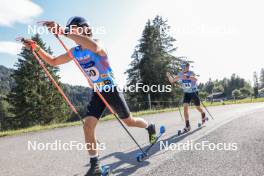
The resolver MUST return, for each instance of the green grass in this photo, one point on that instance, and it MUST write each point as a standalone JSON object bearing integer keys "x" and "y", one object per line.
{"x": 110, "y": 117}
{"x": 37, "y": 128}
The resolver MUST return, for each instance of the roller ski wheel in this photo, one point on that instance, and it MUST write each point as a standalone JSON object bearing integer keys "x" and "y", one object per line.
{"x": 142, "y": 156}
{"x": 162, "y": 129}
{"x": 105, "y": 170}
{"x": 179, "y": 132}
{"x": 200, "y": 125}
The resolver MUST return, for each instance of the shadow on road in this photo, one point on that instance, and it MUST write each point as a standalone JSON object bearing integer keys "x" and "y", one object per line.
{"x": 129, "y": 158}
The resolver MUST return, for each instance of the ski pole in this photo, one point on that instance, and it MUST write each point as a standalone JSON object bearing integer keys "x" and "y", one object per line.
{"x": 90, "y": 83}
{"x": 204, "y": 105}
{"x": 53, "y": 80}
{"x": 180, "y": 112}
{"x": 207, "y": 109}
{"x": 179, "y": 103}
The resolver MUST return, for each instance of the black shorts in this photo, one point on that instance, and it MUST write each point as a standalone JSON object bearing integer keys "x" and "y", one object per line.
{"x": 188, "y": 97}
{"x": 115, "y": 99}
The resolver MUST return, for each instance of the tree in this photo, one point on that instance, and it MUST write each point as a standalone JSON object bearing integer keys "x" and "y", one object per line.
{"x": 218, "y": 88}
{"x": 261, "y": 78}
{"x": 203, "y": 95}
{"x": 151, "y": 60}
{"x": 208, "y": 87}
{"x": 245, "y": 91}
{"x": 226, "y": 85}
{"x": 236, "y": 94}
{"x": 6, "y": 80}
{"x": 34, "y": 99}
{"x": 256, "y": 84}
{"x": 3, "y": 115}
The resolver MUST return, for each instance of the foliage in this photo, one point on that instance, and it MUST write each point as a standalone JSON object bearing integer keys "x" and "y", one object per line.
{"x": 34, "y": 100}
{"x": 151, "y": 60}
{"x": 227, "y": 86}
{"x": 236, "y": 93}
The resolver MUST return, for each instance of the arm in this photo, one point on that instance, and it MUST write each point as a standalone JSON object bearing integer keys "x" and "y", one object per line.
{"x": 172, "y": 78}
{"x": 84, "y": 41}
{"x": 54, "y": 61}
{"x": 193, "y": 77}
{"x": 88, "y": 43}
{"x": 176, "y": 78}
{"x": 51, "y": 60}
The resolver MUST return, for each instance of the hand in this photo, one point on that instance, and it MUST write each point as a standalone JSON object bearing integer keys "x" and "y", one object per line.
{"x": 29, "y": 44}
{"x": 170, "y": 78}
{"x": 168, "y": 74}
{"x": 53, "y": 27}
{"x": 193, "y": 78}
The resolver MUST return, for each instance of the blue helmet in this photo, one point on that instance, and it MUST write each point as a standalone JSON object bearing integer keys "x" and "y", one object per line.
{"x": 76, "y": 21}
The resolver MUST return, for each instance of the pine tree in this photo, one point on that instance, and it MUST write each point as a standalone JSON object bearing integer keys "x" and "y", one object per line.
{"x": 5, "y": 115}
{"x": 34, "y": 99}
{"x": 151, "y": 60}
{"x": 209, "y": 86}
{"x": 256, "y": 84}
{"x": 261, "y": 78}
{"x": 2, "y": 115}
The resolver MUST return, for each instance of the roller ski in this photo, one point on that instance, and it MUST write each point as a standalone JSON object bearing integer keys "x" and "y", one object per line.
{"x": 153, "y": 139}
{"x": 97, "y": 170}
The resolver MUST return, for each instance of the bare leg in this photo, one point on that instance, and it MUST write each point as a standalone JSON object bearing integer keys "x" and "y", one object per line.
{"x": 199, "y": 109}
{"x": 202, "y": 113}
{"x": 135, "y": 122}
{"x": 91, "y": 144}
{"x": 186, "y": 111}
{"x": 141, "y": 123}
{"x": 89, "y": 133}
{"x": 186, "y": 115}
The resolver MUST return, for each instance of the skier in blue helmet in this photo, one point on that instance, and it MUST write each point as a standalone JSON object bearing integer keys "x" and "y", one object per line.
{"x": 94, "y": 61}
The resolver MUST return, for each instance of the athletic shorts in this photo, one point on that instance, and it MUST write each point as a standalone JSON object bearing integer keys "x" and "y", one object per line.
{"x": 114, "y": 98}
{"x": 188, "y": 97}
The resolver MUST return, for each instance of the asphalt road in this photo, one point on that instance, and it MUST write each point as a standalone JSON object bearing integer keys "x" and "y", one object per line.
{"x": 238, "y": 126}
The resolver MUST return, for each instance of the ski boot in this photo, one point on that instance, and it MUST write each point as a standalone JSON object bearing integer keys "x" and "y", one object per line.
{"x": 152, "y": 133}
{"x": 184, "y": 130}
{"x": 95, "y": 168}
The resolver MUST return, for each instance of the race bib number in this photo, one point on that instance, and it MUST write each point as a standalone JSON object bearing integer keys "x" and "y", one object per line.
{"x": 186, "y": 85}
{"x": 93, "y": 73}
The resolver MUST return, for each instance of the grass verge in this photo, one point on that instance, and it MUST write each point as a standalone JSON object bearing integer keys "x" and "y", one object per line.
{"x": 110, "y": 117}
